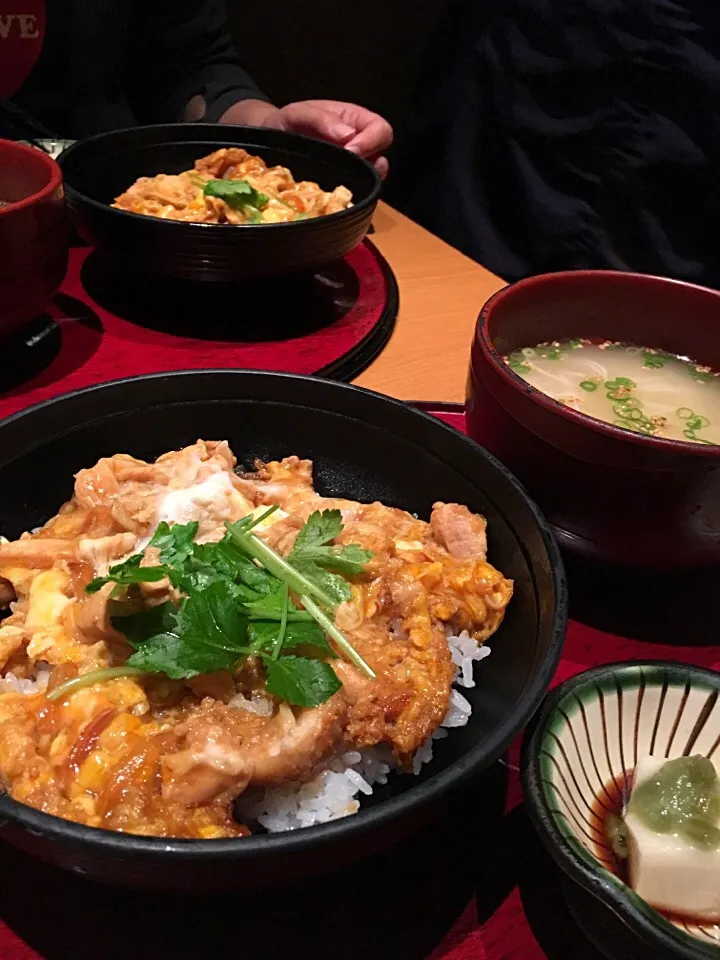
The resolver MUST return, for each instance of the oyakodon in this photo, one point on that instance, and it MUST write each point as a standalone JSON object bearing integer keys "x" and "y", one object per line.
{"x": 182, "y": 636}
{"x": 231, "y": 186}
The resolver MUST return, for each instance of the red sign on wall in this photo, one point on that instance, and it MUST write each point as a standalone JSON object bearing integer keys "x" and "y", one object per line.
{"x": 22, "y": 31}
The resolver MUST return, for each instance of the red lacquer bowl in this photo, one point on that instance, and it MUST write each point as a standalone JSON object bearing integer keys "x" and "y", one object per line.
{"x": 34, "y": 233}
{"x": 611, "y": 495}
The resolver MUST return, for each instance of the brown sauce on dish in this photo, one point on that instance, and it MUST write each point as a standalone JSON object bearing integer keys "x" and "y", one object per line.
{"x": 608, "y": 804}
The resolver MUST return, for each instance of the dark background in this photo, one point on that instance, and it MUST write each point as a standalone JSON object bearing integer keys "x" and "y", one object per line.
{"x": 364, "y": 51}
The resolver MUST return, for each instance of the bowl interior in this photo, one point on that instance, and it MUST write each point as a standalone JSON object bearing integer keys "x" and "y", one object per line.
{"x": 364, "y": 447}
{"x": 649, "y": 311}
{"x": 24, "y": 172}
{"x": 105, "y": 166}
{"x": 590, "y": 742}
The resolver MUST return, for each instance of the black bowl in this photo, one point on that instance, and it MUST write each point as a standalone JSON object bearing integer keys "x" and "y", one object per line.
{"x": 365, "y": 446}
{"x": 102, "y": 167}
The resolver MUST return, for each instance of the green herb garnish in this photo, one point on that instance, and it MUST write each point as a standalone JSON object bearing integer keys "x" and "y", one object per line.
{"x": 299, "y": 680}
{"x": 235, "y": 602}
{"x": 323, "y": 563}
{"x": 240, "y": 195}
{"x": 127, "y": 573}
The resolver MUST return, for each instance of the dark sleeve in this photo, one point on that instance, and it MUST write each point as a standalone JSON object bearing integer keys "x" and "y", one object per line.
{"x": 183, "y": 49}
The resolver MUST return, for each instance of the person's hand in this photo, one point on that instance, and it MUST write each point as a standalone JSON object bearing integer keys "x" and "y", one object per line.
{"x": 345, "y": 124}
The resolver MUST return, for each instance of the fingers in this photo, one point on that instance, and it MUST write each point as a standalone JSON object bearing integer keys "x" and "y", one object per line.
{"x": 374, "y": 136}
{"x": 383, "y": 167}
{"x": 315, "y": 121}
{"x": 345, "y": 124}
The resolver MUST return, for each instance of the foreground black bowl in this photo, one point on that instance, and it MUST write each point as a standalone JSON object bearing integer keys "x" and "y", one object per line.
{"x": 100, "y": 168}
{"x": 366, "y": 447}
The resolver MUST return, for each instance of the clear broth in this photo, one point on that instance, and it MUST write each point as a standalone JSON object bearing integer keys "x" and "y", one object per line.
{"x": 636, "y": 388}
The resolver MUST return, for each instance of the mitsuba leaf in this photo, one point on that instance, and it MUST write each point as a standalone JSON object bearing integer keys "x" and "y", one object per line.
{"x": 264, "y": 633}
{"x": 141, "y": 626}
{"x": 227, "y": 559}
{"x": 127, "y": 573}
{"x": 212, "y": 620}
{"x": 167, "y": 653}
{"x": 332, "y": 583}
{"x": 318, "y": 560}
{"x": 300, "y": 681}
{"x": 320, "y": 528}
{"x": 238, "y": 194}
{"x": 175, "y": 542}
{"x": 210, "y": 634}
{"x": 350, "y": 558}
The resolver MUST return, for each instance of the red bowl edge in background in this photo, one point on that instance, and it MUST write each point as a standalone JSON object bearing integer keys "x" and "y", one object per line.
{"x": 34, "y": 234}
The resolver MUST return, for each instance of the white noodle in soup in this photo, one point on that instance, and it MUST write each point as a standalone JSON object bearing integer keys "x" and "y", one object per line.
{"x": 636, "y": 388}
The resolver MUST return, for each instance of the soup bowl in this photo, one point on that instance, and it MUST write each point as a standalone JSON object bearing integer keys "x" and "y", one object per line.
{"x": 102, "y": 167}
{"x": 611, "y": 495}
{"x": 34, "y": 233}
{"x": 363, "y": 446}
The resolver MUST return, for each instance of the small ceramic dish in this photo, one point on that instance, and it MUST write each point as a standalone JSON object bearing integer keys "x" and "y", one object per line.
{"x": 579, "y": 756}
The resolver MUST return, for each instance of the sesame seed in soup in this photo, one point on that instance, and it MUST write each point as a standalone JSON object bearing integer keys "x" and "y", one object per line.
{"x": 635, "y": 388}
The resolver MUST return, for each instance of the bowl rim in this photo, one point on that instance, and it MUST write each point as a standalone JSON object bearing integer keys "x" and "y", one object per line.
{"x": 512, "y": 379}
{"x": 320, "y": 835}
{"x": 575, "y": 861}
{"x": 55, "y": 181}
{"x": 78, "y": 145}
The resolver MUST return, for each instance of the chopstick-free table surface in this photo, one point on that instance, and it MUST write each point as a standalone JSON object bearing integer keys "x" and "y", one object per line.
{"x": 441, "y": 293}
{"x": 476, "y": 886}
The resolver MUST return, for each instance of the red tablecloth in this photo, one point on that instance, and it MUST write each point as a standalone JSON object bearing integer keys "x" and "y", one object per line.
{"x": 474, "y": 887}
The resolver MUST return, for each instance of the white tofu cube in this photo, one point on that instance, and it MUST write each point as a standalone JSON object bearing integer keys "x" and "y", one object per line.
{"x": 666, "y": 871}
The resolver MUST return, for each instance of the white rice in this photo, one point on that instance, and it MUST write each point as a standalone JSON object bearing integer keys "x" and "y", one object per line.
{"x": 12, "y": 684}
{"x": 336, "y": 792}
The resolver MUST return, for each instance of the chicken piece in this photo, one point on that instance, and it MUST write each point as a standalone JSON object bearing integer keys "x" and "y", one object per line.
{"x": 100, "y": 552}
{"x": 212, "y": 762}
{"x": 216, "y": 164}
{"x": 339, "y": 199}
{"x": 35, "y": 552}
{"x": 292, "y": 745}
{"x": 278, "y": 482}
{"x": 97, "y": 485}
{"x": 11, "y": 639}
{"x": 91, "y": 617}
{"x": 227, "y": 750}
{"x": 134, "y": 491}
{"x": 163, "y": 195}
{"x": 411, "y": 693}
{"x": 461, "y": 532}
{"x": 289, "y": 484}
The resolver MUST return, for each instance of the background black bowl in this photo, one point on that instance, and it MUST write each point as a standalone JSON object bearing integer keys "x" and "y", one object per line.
{"x": 100, "y": 168}
{"x": 366, "y": 447}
